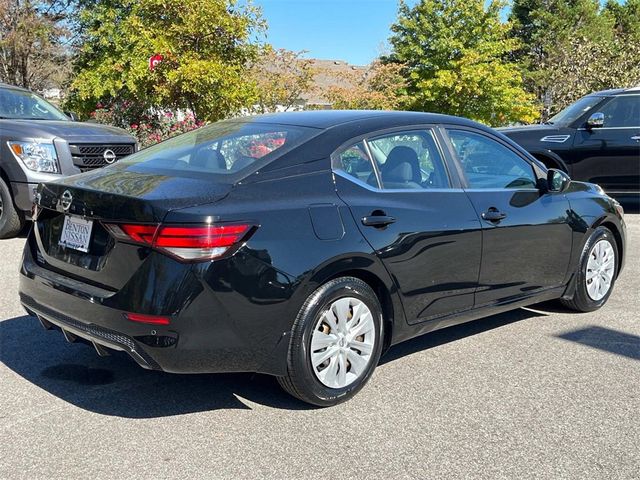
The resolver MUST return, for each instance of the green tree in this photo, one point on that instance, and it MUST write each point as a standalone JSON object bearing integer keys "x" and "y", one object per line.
{"x": 206, "y": 47}
{"x": 455, "y": 56}
{"x": 626, "y": 18}
{"x": 570, "y": 48}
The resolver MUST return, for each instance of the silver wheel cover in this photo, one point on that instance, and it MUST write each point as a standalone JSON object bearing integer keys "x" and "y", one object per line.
{"x": 601, "y": 267}
{"x": 342, "y": 343}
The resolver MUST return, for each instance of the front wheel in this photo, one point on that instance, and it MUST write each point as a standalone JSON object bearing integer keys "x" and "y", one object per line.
{"x": 336, "y": 343}
{"x": 596, "y": 274}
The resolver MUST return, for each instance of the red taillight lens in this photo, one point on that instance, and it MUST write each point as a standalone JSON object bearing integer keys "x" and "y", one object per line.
{"x": 201, "y": 242}
{"x": 133, "y": 233}
{"x": 150, "y": 319}
{"x": 186, "y": 242}
{"x": 140, "y": 233}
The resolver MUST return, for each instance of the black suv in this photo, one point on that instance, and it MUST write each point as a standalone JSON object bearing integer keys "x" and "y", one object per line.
{"x": 597, "y": 140}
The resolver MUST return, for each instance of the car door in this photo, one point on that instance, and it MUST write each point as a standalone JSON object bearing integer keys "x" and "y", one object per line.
{"x": 416, "y": 217}
{"x": 526, "y": 237}
{"x": 610, "y": 155}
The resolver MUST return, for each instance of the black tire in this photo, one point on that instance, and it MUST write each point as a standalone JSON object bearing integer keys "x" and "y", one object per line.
{"x": 301, "y": 381}
{"x": 581, "y": 301}
{"x": 11, "y": 221}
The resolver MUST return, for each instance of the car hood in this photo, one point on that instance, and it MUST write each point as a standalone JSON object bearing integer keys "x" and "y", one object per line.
{"x": 50, "y": 129}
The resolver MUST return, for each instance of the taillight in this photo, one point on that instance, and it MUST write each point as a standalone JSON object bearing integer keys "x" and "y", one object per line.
{"x": 189, "y": 243}
{"x": 149, "y": 319}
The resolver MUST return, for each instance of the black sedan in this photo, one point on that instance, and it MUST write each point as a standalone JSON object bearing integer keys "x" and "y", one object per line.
{"x": 304, "y": 245}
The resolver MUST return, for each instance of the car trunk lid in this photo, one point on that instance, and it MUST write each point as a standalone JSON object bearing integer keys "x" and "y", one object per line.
{"x": 118, "y": 194}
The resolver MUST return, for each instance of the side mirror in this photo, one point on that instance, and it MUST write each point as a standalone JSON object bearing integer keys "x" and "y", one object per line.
{"x": 557, "y": 181}
{"x": 596, "y": 120}
{"x": 72, "y": 116}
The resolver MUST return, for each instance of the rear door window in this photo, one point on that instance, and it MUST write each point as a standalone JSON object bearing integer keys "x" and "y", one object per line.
{"x": 409, "y": 160}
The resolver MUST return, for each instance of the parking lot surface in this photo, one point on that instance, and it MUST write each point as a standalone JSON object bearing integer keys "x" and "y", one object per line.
{"x": 534, "y": 393}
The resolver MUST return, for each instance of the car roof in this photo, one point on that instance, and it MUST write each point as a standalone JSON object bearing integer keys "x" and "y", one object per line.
{"x": 325, "y": 119}
{"x": 617, "y": 91}
{"x": 12, "y": 87}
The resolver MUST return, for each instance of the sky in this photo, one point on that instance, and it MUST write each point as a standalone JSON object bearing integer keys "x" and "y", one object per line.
{"x": 351, "y": 30}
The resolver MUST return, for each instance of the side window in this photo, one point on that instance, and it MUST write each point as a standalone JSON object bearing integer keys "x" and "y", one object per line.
{"x": 488, "y": 164}
{"x": 355, "y": 162}
{"x": 622, "y": 111}
{"x": 409, "y": 160}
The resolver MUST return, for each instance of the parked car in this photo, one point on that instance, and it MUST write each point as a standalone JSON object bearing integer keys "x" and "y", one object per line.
{"x": 351, "y": 232}
{"x": 597, "y": 140}
{"x": 39, "y": 143}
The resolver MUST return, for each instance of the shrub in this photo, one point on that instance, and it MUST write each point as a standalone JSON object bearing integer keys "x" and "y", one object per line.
{"x": 149, "y": 128}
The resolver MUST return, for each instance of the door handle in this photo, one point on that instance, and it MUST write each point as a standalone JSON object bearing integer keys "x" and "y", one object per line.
{"x": 377, "y": 221}
{"x": 636, "y": 138}
{"x": 493, "y": 215}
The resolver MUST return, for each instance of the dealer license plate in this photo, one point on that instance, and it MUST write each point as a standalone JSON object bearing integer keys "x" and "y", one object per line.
{"x": 76, "y": 233}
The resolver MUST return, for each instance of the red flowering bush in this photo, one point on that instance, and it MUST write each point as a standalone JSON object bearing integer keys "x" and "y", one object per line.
{"x": 149, "y": 128}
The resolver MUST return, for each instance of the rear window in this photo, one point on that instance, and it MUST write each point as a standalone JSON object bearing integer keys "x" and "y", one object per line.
{"x": 223, "y": 148}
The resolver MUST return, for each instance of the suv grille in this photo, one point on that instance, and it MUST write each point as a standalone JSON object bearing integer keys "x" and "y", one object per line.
{"x": 88, "y": 156}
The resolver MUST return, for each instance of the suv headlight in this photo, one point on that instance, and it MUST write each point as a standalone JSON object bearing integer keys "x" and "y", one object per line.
{"x": 39, "y": 157}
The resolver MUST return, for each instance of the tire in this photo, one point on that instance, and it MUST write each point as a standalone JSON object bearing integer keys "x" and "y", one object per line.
{"x": 584, "y": 300}
{"x": 11, "y": 221}
{"x": 318, "y": 385}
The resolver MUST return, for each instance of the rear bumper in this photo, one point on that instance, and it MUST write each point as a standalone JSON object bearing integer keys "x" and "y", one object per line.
{"x": 200, "y": 339}
{"x": 99, "y": 337}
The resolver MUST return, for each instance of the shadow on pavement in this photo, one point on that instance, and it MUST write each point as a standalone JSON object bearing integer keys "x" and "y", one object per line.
{"x": 451, "y": 334}
{"x": 612, "y": 341}
{"x": 117, "y": 386}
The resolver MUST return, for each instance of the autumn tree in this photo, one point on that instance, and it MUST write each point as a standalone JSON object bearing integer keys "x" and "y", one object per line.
{"x": 455, "y": 53}
{"x": 281, "y": 77}
{"x": 32, "y": 43}
{"x": 206, "y": 47}
{"x": 380, "y": 86}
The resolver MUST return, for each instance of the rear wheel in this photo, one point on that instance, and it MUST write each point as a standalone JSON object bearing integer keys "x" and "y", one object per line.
{"x": 11, "y": 222}
{"x": 596, "y": 275}
{"x": 336, "y": 343}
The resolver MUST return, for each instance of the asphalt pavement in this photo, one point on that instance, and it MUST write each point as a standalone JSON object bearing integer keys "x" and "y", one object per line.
{"x": 534, "y": 393}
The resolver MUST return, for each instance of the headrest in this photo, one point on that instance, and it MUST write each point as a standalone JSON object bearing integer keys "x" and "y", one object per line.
{"x": 402, "y": 155}
{"x": 400, "y": 173}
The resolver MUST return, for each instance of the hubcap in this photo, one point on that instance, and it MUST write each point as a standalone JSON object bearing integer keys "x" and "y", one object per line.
{"x": 342, "y": 343}
{"x": 600, "y": 269}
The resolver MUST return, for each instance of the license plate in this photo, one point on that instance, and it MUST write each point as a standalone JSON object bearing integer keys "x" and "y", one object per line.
{"x": 76, "y": 233}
